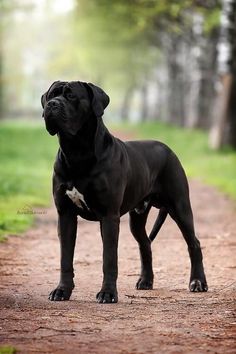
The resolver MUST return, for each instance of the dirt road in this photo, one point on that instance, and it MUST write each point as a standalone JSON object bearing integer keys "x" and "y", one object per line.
{"x": 167, "y": 319}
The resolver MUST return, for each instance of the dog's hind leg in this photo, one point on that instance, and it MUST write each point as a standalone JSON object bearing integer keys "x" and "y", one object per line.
{"x": 182, "y": 214}
{"x": 137, "y": 227}
{"x": 179, "y": 207}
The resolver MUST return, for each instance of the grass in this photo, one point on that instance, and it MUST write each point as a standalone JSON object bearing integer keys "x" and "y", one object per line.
{"x": 216, "y": 168}
{"x": 7, "y": 350}
{"x": 27, "y": 154}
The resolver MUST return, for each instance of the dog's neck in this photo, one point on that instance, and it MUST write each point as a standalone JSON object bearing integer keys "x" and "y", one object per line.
{"x": 82, "y": 150}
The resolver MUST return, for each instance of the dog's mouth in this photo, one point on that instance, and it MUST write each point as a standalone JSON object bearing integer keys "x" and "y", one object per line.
{"x": 52, "y": 131}
{"x": 50, "y": 125}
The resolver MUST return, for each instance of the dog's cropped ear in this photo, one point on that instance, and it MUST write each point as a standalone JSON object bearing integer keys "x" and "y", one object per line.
{"x": 44, "y": 96}
{"x": 43, "y": 99}
{"x": 100, "y": 99}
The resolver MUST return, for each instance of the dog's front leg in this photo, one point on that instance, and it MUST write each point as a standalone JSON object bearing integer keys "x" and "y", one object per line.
{"x": 110, "y": 235}
{"x": 67, "y": 227}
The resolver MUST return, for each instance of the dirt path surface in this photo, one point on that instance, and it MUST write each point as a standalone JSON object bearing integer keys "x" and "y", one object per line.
{"x": 167, "y": 319}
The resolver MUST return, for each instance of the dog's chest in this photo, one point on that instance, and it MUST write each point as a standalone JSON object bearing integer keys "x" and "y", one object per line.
{"x": 77, "y": 198}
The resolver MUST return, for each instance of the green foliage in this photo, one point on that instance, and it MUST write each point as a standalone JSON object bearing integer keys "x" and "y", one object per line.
{"x": 114, "y": 42}
{"x": 118, "y": 44}
{"x": 212, "y": 20}
{"x": 7, "y": 350}
{"x": 132, "y": 21}
{"x": 27, "y": 154}
{"x": 214, "y": 168}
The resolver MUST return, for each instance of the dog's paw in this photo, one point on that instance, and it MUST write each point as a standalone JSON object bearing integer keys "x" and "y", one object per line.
{"x": 144, "y": 284}
{"x": 60, "y": 294}
{"x": 197, "y": 285}
{"x": 105, "y": 297}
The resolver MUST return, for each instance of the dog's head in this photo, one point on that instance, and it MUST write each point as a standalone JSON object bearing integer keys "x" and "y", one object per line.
{"x": 67, "y": 105}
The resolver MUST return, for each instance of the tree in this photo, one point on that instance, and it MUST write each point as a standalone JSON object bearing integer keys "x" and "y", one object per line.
{"x": 169, "y": 26}
{"x": 225, "y": 104}
{"x": 118, "y": 50}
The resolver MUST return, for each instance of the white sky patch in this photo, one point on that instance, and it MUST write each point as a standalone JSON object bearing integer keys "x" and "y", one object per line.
{"x": 61, "y": 6}
{"x": 57, "y": 6}
{"x": 42, "y": 8}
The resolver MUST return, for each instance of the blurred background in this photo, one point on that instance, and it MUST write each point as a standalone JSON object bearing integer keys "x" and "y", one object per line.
{"x": 169, "y": 67}
{"x": 162, "y": 60}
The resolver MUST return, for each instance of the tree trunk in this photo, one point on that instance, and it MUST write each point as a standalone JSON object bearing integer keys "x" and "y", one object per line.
{"x": 207, "y": 82}
{"x": 193, "y": 71}
{"x": 232, "y": 103}
{"x": 200, "y": 72}
{"x": 144, "y": 102}
{"x": 218, "y": 131}
{"x": 225, "y": 105}
{"x": 176, "y": 82}
{"x": 232, "y": 113}
{"x": 161, "y": 111}
{"x": 125, "y": 107}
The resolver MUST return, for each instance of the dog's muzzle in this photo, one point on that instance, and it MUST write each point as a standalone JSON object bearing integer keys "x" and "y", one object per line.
{"x": 53, "y": 106}
{"x": 50, "y": 115}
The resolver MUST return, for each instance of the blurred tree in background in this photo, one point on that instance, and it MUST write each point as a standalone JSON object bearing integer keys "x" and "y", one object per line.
{"x": 181, "y": 31}
{"x": 13, "y": 45}
{"x": 182, "y": 34}
{"x": 158, "y": 60}
{"x": 224, "y": 123}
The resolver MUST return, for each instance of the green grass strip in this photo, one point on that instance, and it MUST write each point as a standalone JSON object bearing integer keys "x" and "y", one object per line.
{"x": 7, "y": 350}
{"x": 27, "y": 153}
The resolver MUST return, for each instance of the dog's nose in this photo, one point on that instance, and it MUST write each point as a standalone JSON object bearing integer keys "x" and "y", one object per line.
{"x": 51, "y": 108}
{"x": 52, "y": 104}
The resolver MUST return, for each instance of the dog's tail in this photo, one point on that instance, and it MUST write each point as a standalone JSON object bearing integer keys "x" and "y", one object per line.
{"x": 158, "y": 223}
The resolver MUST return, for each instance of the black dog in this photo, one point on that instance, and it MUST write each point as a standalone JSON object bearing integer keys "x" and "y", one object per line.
{"x": 100, "y": 178}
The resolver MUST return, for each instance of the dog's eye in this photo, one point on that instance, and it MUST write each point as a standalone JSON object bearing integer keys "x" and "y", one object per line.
{"x": 70, "y": 96}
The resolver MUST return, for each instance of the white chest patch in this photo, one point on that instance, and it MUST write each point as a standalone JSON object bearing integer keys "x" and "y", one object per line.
{"x": 76, "y": 197}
